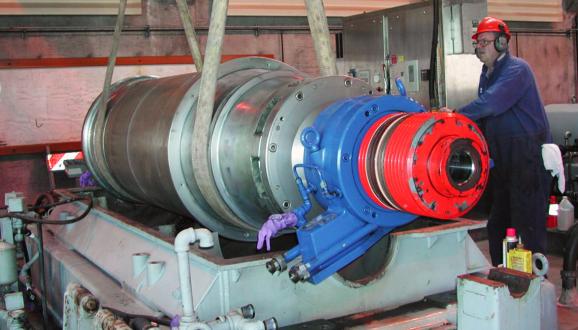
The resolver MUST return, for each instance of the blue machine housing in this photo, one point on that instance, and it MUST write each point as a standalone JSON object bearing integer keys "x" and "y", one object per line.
{"x": 352, "y": 222}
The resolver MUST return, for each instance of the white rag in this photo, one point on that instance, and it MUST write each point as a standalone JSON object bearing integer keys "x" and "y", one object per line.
{"x": 553, "y": 163}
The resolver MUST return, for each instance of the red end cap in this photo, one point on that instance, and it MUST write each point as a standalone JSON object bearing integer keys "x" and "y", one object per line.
{"x": 436, "y": 165}
{"x": 430, "y": 164}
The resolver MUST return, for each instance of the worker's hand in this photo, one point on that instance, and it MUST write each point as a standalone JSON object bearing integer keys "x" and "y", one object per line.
{"x": 273, "y": 225}
{"x": 446, "y": 109}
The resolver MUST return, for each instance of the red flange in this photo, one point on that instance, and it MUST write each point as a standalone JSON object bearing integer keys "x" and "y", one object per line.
{"x": 431, "y": 164}
{"x": 366, "y": 157}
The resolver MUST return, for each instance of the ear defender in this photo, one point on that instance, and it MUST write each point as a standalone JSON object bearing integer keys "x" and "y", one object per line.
{"x": 501, "y": 41}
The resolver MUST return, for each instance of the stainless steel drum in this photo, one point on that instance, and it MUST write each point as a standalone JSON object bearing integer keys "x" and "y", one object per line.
{"x": 140, "y": 147}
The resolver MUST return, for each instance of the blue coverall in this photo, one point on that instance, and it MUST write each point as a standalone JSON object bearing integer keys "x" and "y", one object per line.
{"x": 512, "y": 117}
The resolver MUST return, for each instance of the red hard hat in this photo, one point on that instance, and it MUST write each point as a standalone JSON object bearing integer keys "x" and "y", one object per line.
{"x": 490, "y": 24}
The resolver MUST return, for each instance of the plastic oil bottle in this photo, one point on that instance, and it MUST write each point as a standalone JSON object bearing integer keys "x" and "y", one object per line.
{"x": 565, "y": 214}
{"x": 552, "y": 221}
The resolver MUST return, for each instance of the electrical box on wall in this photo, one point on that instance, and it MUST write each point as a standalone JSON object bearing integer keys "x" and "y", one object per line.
{"x": 409, "y": 73}
{"x": 411, "y": 80}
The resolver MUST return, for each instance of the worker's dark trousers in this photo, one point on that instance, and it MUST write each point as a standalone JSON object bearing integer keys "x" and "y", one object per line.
{"x": 520, "y": 189}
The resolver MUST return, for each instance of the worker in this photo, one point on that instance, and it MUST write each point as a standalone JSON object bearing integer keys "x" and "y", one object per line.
{"x": 511, "y": 114}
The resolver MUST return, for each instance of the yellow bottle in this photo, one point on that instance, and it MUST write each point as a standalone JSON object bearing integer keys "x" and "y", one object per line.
{"x": 520, "y": 259}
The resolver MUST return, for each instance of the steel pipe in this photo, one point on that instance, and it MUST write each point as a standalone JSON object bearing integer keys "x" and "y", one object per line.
{"x": 182, "y": 241}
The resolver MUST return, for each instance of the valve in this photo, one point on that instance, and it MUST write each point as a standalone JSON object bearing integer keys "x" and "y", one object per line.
{"x": 277, "y": 264}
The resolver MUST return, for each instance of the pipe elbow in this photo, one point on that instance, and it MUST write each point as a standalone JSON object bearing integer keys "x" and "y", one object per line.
{"x": 205, "y": 238}
{"x": 190, "y": 235}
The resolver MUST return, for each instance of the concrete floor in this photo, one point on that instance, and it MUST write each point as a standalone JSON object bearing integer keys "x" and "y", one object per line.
{"x": 567, "y": 317}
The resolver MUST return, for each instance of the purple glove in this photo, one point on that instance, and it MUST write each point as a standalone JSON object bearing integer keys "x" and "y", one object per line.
{"x": 273, "y": 225}
{"x": 175, "y": 321}
{"x": 86, "y": 180}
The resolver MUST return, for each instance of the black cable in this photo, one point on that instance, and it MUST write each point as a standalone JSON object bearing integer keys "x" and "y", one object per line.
{"x": 29, "y": 219}
{"x": 51, "y": 205}
{"x": 387, "y": 75}
{"x": 433, "y": 97}
{"x": 282, "y": 47}
{"x": 142, "y": 324}
{"x": 163, "y": 321}
{"x": 42, "y": 202}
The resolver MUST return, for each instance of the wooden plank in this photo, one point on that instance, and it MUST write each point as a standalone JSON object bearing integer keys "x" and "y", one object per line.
{"x": 102, "y": 61}
{"x": 334, "y": 8}
{"x": 40, "y": 148}
{"x": 526, "y": 10}
{"x": 510, "y": 10}
{"x": 552, "y": 60}
{"x": 67, "y": 7}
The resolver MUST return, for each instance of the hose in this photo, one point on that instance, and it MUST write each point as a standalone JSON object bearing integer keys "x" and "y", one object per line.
{"x": 162, "y": 321}
{"x": 26, "y": 267}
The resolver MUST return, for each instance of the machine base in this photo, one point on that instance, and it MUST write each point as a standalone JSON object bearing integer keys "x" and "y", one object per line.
{"x": 134, "y": 269}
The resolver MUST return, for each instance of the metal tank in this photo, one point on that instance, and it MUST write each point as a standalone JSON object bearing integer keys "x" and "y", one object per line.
{"x": 140, "y": 150}
{"x": 8, "y": 264}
